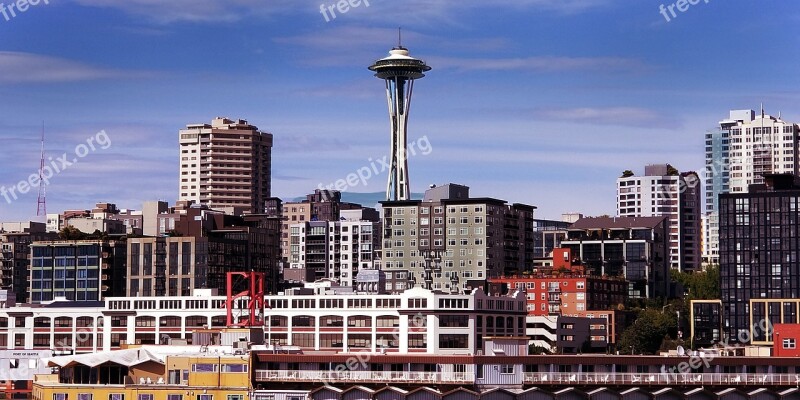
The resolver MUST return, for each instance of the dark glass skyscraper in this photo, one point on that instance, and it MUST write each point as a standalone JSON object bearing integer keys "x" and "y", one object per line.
{"x": 759, "y": 247}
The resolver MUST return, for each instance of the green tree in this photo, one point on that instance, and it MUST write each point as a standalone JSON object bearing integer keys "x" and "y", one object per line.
{"x": 627, "y": 173}
{"x": 672, "y": 170}
{"x": 98, "y": 235}
{"x": 702, "y": 285}
{"x": 647, "y": 333}
{"x": 537, "y": 350}
{"x": 71, "y": 233}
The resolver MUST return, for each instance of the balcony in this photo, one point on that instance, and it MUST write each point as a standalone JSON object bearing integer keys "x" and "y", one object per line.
{"x": 659, "y": 379}
{"x": 365, "y": 377}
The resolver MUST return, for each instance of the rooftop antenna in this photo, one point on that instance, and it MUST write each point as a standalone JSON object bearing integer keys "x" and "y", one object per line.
{"x": 41, "y": 202}
{"x": 399, "y": 37}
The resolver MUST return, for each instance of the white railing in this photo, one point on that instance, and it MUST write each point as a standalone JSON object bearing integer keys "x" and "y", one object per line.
{"x": 364, "y": 376}
{"x": 660, "y": 379}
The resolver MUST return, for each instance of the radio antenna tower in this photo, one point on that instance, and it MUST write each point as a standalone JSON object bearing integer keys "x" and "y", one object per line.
{"x": 41, "y": 202}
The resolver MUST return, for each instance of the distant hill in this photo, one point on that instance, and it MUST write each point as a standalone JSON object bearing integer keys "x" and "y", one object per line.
{"x": 365, "y": 199}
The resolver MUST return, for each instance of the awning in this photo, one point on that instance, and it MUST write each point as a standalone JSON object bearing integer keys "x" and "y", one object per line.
{"x": 127, "y": 358}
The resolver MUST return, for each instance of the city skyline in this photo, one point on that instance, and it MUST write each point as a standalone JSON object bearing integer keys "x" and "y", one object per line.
{"x": 537, "y": 102}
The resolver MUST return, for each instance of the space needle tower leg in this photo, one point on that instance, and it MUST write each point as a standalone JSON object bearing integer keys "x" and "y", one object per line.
{"x": 399, "y": 70}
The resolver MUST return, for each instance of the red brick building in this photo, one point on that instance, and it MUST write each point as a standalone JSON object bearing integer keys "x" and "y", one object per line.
{"x": 565, "y": 290}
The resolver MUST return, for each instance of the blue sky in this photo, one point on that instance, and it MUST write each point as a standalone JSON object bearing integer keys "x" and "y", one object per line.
{"x": 533, "y": 101}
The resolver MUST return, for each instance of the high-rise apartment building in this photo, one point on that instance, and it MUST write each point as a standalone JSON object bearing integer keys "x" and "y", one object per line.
{"x": 226, "y": 164}
{"x": 335, "y": 250}
{"x": 449, "y": 241}
{"x": 663, "y": 191}
{"x": 759, "y": 257}
{"x": 744, "y": 148}
{"x": 322, "y": 205}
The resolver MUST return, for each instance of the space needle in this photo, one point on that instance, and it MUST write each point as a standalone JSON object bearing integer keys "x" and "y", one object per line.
{"x": 399, "y": 70}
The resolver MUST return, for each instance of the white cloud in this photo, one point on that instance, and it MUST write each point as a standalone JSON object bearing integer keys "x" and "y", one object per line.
{"x": 421, "y": 11}
{"x": 542, "y": 64}
{"x": 351, "y": 45}
{"x": 620, "y": 116}
{"x": 18, "y": 67}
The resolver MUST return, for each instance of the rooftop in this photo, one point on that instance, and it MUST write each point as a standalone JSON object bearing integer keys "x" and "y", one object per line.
{"x": 616, "y": 223}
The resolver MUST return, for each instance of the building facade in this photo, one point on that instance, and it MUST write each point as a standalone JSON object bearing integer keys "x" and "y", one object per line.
{"x": 548, "y": 235}
{"x": 705, "y": 317}
{"x": 663, "y": 191}
{"x": 746, "y": 146}
{"x": 148, "y": 373}
{"x": 631, "y": 248}
{"x": 196, "y": 247}
{"x": 335, "y": 250}
{"x": 77, "y": 270}
{"x": 322, "y": 205}
{"x": 567, "y": 294}
{"x": 225, "y": 164}
{"x": 590, "y": 302}
{"x": 166, "y": 266}
{"x": 456, "y": 243}
{"x": 759, "y": 247}
{"x": 15, "y": 256}
{"x": 416, "y": 321}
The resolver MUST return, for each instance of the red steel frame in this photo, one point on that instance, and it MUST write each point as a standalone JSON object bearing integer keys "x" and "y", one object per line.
{"x": 255, "y": 299}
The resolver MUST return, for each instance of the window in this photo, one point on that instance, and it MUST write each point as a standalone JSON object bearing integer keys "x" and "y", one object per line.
{"x": 453, "y": 341}
{"x": 116, "y": 396}
{"x": 506, "y": 369}
{"x": 416, "y": 341}
{"x": 789, "y": 343}
{"x": 174, "y": 397}
{"x": 235, "y": 397}
{"x": 61, "y": 396}
{"x": 204, "y": 367}
{"x": 144, "y": 396}
{"x": 204, "y": 397}
{"x": 453, "y": 321}
{"x": 234, "y": 368}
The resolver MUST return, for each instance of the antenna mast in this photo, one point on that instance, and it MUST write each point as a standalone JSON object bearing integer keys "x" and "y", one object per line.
{"x": 41, "y": 202}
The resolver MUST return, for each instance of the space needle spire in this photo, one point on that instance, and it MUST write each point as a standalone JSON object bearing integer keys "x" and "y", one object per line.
{"x": 399, "y": 70}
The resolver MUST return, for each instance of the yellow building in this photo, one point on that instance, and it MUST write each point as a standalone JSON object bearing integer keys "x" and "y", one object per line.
{"x": 148, "y": 373}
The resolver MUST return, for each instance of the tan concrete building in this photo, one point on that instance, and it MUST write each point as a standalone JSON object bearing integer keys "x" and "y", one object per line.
{"x": 226, "y": 164}
{"x": 449, "y": 241}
